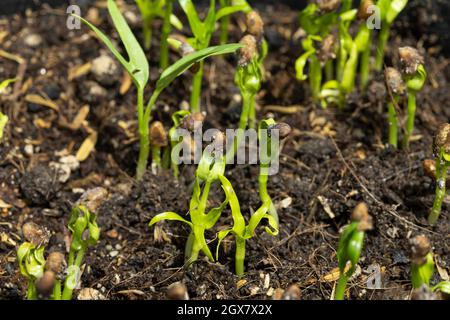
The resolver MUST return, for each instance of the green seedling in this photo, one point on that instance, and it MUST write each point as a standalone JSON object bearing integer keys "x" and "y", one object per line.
{"x": 441, "y": 148}
{"x": 234, "y": 5}
{"x": 414, "y": 76}
{"x": 85, "y": 233}
{"x": 248, "y": 78}
{"x": 335, "y": 91}
{"x": 395, "y": 88}
{"x": 45, "y": 276}
{"x": 364, "y": 41}
{"x": 5, "y": 83}
{"x": 30, "y": 256}
{"x": 138, "y": 69}
{"x": 210, "y": 168}
{"x": 202, "y": 32}
{"x": 317, "y": 19}
{"x": 152, "y": 9}
{"x": 389, "y": 10}
{"x": 348, "y": 52}
{"x": 267, "y": 130}
{"x": 350, "y": 246}
{"x": 422, "y": 266}
{"x": 240, "y": 230}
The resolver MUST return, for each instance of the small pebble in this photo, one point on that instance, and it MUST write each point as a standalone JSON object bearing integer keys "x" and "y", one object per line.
{"x": 28, "y": 149}
{"x": 105, "y": 70}
{"x": 108, "y": 247}
{"x": 114, "y": 253}
{"x": 33, "y": 40}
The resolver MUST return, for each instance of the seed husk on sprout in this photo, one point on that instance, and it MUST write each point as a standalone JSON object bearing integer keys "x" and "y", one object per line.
{"x": 248, "y": 51}
{"x": 193, "y": 121}
{"x": 410, "y": 59}
{"x": 255, "y": 25}
{"x": 158, "y": 135}
{"x": 328, "y": 5}
{"x": 327, "y": 50}
{"x": 35, "y": 234}
{"x": 395, "y": 81}
{"x": 420, "y": 247}
{"x": 363, "y": 10}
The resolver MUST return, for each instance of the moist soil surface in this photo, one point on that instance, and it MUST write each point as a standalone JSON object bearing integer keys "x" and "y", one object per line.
{"x": 333, "y": 160}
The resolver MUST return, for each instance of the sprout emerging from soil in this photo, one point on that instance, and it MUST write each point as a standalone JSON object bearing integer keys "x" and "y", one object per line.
{"x": 268, "y": 129}
{"x": 30, "y": 256}
{"x": 441, "y": 148}
{"x": 414, "y": 76}
{"x": 248, "y": 78}
{"x": 85, "y": 233}
{"x": 350, "y": 246}
{"x": 210, "y": 168}
{"x": 240, "y": 230}
{"x": 395, "y": 87}
{"x": 422, "y": 269}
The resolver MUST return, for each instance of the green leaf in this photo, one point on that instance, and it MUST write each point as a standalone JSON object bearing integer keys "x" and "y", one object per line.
{"x": 256, "y": 218}
{"x": 395, "y": 7}
{"x": 342, "y": 252}
{"x": 73, "y": 276}
{"x": 226, "y": 11}
{"x": 137, "y": 66}
{"x": 238, "y": 219}
{"x": 172, "y": 216}
{"x": 363, "y": 37}
{"x": 186, "y": 62}
{"x": 197, "y": 26}
{"x": 174, "y": 21}
{"x": 443, "y": 286}
{"x": 300, "y": 64}
{"x": 6, "y": 83}
{"x": 417, "y": 80}
{"x": 421, "y": 274}
{"x": 214, "y": 214}
{"x": 3, "y": 122}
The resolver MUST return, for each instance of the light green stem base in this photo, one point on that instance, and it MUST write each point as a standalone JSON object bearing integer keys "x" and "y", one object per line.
{"x": 441, "y": 177}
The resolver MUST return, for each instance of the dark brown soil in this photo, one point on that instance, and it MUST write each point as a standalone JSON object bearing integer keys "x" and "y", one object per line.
{"x": 340, "y": 156}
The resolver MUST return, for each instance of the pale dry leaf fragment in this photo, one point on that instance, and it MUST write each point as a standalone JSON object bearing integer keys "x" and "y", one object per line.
{"x": 80, "y": 117}
{"x": 78, "y": 71}
{"x": 285, "y": 203}
{"x": 442, "y": 271}
{"x": 4, "y": 205}
{"x": 87, "y": 147}
{"x": 125, "y": 83}
{"x": 37, "y": 99}
{"x": 324, "y": 202}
